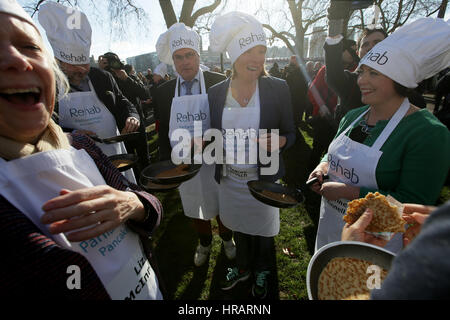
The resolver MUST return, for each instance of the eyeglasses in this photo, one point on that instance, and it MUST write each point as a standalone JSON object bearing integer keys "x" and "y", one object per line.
{"x": 187, "y": 56}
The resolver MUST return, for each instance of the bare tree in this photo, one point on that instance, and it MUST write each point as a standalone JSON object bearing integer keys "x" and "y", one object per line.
{"x": 188, "y": 16}
{"x": 301, "y": 16}
{"x": 395, "y": 13}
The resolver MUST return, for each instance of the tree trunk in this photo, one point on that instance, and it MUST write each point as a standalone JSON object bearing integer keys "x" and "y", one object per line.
{"x": 168, "y": 12}
{"x": 441, "y": 13}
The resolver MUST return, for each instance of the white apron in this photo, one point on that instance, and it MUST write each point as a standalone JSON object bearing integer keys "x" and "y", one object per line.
{"x": 85, "y": 111}
{"x": 354, "y": 164}
{"x": 199, "y": 195}
{"x": 116, "y": 256}
{"x": 239, "y": 210}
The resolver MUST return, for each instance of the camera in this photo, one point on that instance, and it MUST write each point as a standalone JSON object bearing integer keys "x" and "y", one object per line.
{"x": 113, "y": 61}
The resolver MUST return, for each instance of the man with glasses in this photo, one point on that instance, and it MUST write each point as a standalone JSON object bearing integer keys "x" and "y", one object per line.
{"x": 180, "y": 101}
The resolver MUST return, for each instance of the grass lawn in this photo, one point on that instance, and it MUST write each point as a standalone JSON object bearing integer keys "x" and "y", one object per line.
{"x": 175, "y": 242}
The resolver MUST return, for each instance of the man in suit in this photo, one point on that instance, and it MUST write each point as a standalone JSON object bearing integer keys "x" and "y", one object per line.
{"x": 186, "y": 95}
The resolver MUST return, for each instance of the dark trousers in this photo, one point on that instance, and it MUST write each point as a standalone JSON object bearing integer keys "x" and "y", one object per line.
{"x": 203, "y": 228}
{"x": 253, "y": 252}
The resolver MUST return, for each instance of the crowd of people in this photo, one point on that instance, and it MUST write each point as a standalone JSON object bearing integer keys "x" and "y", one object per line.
{"x": 64, "y": 204}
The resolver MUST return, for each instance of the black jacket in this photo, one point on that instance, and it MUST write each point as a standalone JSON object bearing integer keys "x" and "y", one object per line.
{"x": 109, "y": 93}
{"x": 163, "y": 99}
{"x": 276, "y": 113}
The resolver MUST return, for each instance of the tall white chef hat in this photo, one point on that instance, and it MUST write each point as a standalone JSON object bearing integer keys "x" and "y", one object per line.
{"x": 178, "y": 36}
{"x": 68, "y": 31}
{"x": 414, "y": 52}
{"x": 13, "y": 8}
{"x": 236, "y": 32}
{"x": 161, "y": 69}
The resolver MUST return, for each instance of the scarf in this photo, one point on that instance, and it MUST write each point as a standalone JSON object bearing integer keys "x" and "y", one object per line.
{"x": 52, "y": 138}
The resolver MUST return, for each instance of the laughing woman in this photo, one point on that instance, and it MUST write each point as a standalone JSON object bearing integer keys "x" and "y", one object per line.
{"x": 249, "y": 101}
{"x": 66, "y": 213}
{"x": 389, "y": 145}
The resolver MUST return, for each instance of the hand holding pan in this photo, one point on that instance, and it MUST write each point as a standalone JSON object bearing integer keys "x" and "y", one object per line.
{"x": 316, "y": 179}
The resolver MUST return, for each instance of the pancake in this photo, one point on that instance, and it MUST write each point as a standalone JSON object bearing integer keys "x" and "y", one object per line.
{"x": 280, "y": 197}
{"x": 346, "y": 279}
{"x": 180, "y": 170}
{"x": 387, "y": 213}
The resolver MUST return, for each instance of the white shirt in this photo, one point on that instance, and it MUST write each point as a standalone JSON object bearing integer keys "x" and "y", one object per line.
{"x": 195, "y": 86}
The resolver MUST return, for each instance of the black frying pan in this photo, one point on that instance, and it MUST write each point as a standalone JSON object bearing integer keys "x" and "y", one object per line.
{"x": 256, "y": 188}
{"x": 153, "y": 187}
{"x": 119, "y": 161}
{"x": 123, "y": 137}
{"x": 151, "y": 172}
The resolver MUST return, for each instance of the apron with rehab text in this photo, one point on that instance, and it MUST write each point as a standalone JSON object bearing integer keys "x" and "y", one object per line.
{"x": 84, "y": 111}
{"x": 116, "y": 256}
{"x": 199, "y": 195}
{"x": 355, "y": 164}
{"x": 239, "y": 210}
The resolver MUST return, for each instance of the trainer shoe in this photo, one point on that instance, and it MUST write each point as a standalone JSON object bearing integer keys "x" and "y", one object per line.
{"x": 233, "y": 277}
{"x": 259, "y": 289}
{"x": 230, "y": 249}
{"x": 201, "y": 254}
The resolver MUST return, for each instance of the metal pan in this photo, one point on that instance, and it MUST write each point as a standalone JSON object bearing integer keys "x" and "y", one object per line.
{"x": 342, "y": 249}
{"x": 123, "y": 137}
{"x": 256, "y": 188}
{"x": 124, "y": 161}
{"x": 151, "y": 172}
{"x": 314, "y": 180}
{"x": 153, "y": 187}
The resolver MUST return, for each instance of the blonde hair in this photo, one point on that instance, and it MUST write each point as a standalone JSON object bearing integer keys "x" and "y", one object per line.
{"x": 62, "y": 83}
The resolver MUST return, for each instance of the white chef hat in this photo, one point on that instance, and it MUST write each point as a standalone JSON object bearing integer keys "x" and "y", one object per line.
{"x": 414, "y": 52}
{"x": 13, "y": 8}
{"x": 235, "y": 33}
{"x": 178, "y": 36}
{"x": 161, "y": 69}
{"x": 68, "y": 31}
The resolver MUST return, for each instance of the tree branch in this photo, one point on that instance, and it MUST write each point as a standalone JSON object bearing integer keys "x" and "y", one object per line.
{"x": 205, "y": 10}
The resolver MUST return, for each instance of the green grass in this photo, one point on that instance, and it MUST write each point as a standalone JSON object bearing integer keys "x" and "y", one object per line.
{"x": 175, "y": 242}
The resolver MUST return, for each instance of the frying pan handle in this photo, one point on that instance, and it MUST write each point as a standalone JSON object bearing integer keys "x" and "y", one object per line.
{"x": 315, "y": 179}
{"x": 95, "y": 138}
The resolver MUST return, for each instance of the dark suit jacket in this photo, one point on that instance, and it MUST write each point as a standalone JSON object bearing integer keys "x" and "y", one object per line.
{"x": 109, "y": 93}
{"x": 276, "y": 113}
{"x": 163, "y": 97}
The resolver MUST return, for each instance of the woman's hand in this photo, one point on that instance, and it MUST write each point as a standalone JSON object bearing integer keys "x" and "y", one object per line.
{"x": 265, "y": 141}
{"x": 415, "y": 215}
{"x": 102, "y": 208}
{"x": 338, "y": 190}
{"x": 131, "y": 125}
{"x": 319, "y": 172}
{"x": 356, "y": 231}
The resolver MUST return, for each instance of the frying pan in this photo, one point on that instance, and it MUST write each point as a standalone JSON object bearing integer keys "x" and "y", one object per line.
{"x": 125, "y": 156}
{"x": 342, "y": 249}
{"x": 152, "y": 171}
{"x": 153, "y": 187}
{"x": 256, "y": 188}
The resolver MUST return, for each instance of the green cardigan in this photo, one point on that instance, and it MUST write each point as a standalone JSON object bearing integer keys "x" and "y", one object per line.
{"x": 415, "y": 160}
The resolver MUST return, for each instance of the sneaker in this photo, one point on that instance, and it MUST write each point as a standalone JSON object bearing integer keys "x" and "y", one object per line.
{"x": 233, "y": 277}
{"x": 230, "y": 249}
{"x": 259, "y": 289}
{"x": 201, "y": 254}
